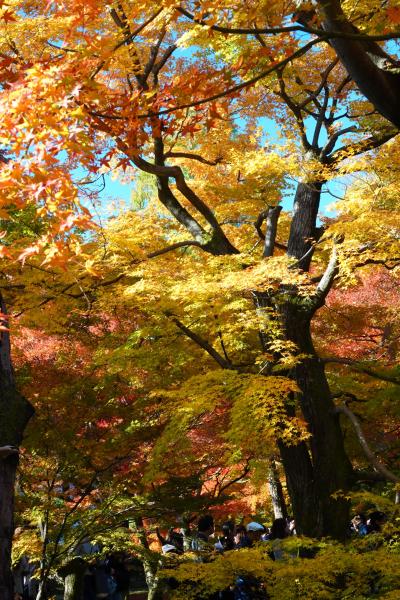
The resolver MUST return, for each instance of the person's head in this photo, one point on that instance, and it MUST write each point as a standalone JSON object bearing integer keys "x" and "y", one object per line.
{"x": 240, "y": 533}
{"x": 228, "y": 528}
{"x": 279, "y": 529}
{"x": 358, "y": 520}
{"x": 176, "y": 539}
{"x": 254, "y": 531}
{"x": 228, "y": 531}
{"x": 205, "y": 525}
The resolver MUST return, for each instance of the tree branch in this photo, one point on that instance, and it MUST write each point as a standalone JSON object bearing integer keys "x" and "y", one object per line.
{"x": 327, "y": 279}
{"x": 193, "y": 156}
{"x": 374, "y": 141}
{"x": 173, "y": 247}
{"x": 360, "y": 368}
{"x": 225, "y": 364}
{"x": 330, "y": 144}
{"x": 377, "y": 465}
{"x": 235, "y": 88}
{"x": 289, "y": 29}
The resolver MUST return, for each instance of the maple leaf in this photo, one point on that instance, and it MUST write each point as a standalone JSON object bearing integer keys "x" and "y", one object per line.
{"x": 393, "y": 13}
{"x": 8, "y": 16}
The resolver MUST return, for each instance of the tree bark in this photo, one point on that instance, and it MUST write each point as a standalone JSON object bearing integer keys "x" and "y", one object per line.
{"x": 303, "y": 226}
{"x": 331, "y": 472}
{"x": 375, "y": 72}
{"x": 15, "y": 412}
{"x": 73, "y": 574}
{"x": 276, "y": 492}
{"x": 318, "y": 472}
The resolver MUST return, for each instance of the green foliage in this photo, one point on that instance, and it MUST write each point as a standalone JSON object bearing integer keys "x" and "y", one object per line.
{"x": 331, "y": 571}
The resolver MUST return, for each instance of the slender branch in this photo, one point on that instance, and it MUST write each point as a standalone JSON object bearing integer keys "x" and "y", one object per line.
{"x": 324, "y": 79}
{"x": 225, "y": 364}
{"x": 245, "y": 472}
{"x": 135, "y": 33}
{"x": 374, "y": 141}
{"x": 238, "y": 87}
{"x": 169, "y": 51}
{"x": 193, "y": 156}
{"x": 321, "y": 119}
{"x": 361, "y": 368}
{"x": 295, "y": 108}
{"x": 174, "y": 247}
{"x": 377, "y": 465}
{"x": 288, "y": 29}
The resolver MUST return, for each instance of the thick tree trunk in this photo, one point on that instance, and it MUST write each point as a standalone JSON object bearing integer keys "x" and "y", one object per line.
{"x": 318, "y": 472}
{"x": 73, "y": 574}
{"x": 303, "y": 227}
{"x": 331, "y": 469}
{"x": 15, "y": 413}
{"x": 375, "y": 73}
{"x": 276, "y": 492}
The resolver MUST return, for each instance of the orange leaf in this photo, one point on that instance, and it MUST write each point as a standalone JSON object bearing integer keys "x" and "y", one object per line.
{"x": 393, "y": 14}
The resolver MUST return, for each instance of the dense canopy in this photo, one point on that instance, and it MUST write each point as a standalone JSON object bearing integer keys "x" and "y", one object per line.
{"x": 231, "y": 330}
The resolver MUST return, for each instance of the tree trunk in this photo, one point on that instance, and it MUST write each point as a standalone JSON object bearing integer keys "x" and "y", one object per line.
{"x": 318, "y": 472}
{"x": 374, "y": 72}
{"x": 74, "y": 580}
{"x": 276, "y": 492}
{"x": 7, "y": 480}
{"x": 155, "y": 592}
{"x": 15, "y": 413}
{"x": 331, "y": 472}
{"x": 303, "y": 227}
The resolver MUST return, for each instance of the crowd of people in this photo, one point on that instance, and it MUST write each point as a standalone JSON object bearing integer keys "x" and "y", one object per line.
{"x": 236, "y": 537}
{"x": 109, "y": 578}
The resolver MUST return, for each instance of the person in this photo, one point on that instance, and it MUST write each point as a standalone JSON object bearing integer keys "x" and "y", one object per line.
{"x": 226, "y": 541}
{"x": 254, "y": 532}
{"x": 279, "y": 531}
{"x": 292, "y": 526}
{"x": 241, "y": 539}
{"x": 205, "y": 528}
{"x": 359, "y": 524}
{"x": 169, "y": 549}
{"x": 174, "y": 538}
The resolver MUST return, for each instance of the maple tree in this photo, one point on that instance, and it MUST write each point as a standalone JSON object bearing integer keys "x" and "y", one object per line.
{"x": 177, "y": 92}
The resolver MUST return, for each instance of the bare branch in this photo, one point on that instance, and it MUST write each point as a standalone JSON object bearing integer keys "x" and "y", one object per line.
{"x": 173, "y": 247}
{"x": 192, "y": 156}
{"x": 374, "y": 141}
{"x": 225, "y": 364}
{"x": 330, "y": 144}
{"x": 289, "y": 29}
{"x": 327, "y": 279}
{"x": 235, "y": 88}
{"x": 361, "y": 368}
{"x": 377, "y": 465}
